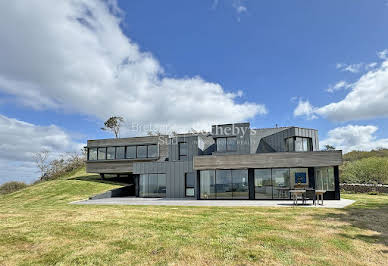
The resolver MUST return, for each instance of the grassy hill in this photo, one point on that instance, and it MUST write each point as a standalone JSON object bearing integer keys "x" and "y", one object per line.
{"x": 38, "y": 226}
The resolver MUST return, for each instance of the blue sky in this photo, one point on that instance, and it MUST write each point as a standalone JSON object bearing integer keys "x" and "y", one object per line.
{"x": 65, "y": 68}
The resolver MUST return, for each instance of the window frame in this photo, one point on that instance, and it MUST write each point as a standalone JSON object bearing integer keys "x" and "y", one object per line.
{"x": 189, "y": 187}
{"x": 180, "y": 155}
{"x": 114, "y": 152}
{"x": 227, "y": 149}
{"x": 98, "y": 152}
{"x": 146, "y": 151}
{"x": 123, "y": 153}
{"x": 93, "y": 148}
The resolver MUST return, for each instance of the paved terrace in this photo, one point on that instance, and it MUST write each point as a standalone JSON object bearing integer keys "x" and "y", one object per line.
{"x": 216, "y": 203}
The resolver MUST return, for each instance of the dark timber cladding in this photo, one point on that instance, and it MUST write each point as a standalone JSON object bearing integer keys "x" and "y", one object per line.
{"x": 269, "y": 160}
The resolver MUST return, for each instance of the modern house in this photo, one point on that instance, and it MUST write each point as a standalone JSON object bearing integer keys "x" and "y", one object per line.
{"x": 233, "y": 161}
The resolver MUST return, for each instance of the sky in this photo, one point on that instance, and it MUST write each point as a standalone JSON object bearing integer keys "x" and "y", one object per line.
{"x": 67, "y": 66}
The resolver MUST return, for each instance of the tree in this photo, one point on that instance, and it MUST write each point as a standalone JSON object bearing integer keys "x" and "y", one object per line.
{"x": 42, "y": 162}
{"x": 113, "y": 124}
{"x": 329, "y": 148}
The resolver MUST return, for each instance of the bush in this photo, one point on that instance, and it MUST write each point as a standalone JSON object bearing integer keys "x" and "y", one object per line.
{"x": 11, "y": 187}
{"x": 65, "y": 164}
{"x": 372, "y": 170}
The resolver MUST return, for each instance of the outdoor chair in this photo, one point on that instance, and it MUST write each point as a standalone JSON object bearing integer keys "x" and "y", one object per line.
{"x": 310, "y": 195}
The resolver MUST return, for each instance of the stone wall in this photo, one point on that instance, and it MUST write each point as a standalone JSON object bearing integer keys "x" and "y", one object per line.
{"x": 364, "y": 188}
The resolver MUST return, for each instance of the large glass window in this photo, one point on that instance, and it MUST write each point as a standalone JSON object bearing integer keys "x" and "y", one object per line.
{"x": 227, "y": 144}
{"x": 221, "y": 144}
{"x": 131, "y": 152}
{"x": 110, "y": 154}
{"x": 92, "y": 154}
{"x": 183, "y": 150}
{"x": 152, "y": 151}
{"x": 141, "y": 152}
{"x": 324, "y": 178}
{"x": 190, "y": 184}
{"x": 152, "y": 185}
{"x": 240, "y": 184}
{"x": 231, "y": 144}
{"x": 223, "y": 184}
{"x": 120, "y": 152}
{"x": 263, "y": 184}
{"x": 299, "y": 144}
{"x": 143, "y": 186}
{"x": 207, "y": 182}
{"x": 281, "y": 183}
{"x": 101, "y": 153}
{"x": 290, "y": 144}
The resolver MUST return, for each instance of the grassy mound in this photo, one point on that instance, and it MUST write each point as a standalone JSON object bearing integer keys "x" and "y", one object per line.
{"x": 77, "y": 186}
{"x": 38, "y": 226}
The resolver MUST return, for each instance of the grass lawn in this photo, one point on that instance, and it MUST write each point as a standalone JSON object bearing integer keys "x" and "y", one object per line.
{"x": 38, "y": 226}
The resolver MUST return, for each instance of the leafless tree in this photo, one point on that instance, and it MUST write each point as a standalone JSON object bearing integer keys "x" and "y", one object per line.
{"x": 42, "y": 161}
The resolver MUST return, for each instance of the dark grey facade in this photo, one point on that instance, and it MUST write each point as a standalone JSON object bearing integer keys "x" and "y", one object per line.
{"x": 232, "y": 161}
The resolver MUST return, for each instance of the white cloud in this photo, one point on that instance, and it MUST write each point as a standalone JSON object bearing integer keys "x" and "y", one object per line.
{"x": 339, "y": 85}
{"x": 367, "y": 99}
{"x": 383, "y": 54}
{"x": 304, "y": 108}
{"x": 240, "y": 8}
{"x": 73, "y": 55}
{"x": 353, "y": 68}
{"x": 354, "y": 137}
{"x": 20, "y": 140}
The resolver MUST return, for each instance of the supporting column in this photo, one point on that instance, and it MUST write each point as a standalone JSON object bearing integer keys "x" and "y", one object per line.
{"x": 337, "y": 195}
{"x": 251, "y": 183}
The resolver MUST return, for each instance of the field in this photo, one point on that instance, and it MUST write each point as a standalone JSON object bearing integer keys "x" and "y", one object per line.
{"x": 38, "y": 226}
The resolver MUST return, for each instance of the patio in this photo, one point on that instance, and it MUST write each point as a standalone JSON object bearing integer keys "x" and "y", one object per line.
{"x": 216, "y": 203}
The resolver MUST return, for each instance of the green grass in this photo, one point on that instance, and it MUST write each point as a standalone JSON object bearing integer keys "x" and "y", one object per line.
{"x": 38, "y": 226}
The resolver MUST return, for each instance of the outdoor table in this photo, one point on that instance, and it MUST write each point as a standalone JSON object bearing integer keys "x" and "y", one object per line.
{"x": 295, "y": 193}
{"x": 319, "y": 193}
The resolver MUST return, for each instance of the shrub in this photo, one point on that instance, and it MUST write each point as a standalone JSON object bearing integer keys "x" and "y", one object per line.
{"x": 11, "y": 187}
{"x": 65, "y": 164}
{"x": 372, "y": 170}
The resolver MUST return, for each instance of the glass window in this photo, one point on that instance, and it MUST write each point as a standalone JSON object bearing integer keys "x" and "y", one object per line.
{"x": 305, "y": 144}
{"x": 231, "y": 144}
{"x": 207, "y": 181}
{"x": 290, "y": 144}
{"x": 152, "y": 151}
{"x": 141, "y": 152}
{"x": 131, "y": 152}
{"x": 263, "y": 184}
{"x": 281, "y": 183}
{"x": 101, "y": 153}
{"x": 183, "y": 150}
{"x": 224, "y": 184}
{"x": 299, "y": 177}
{"x": 190, "y": 184}
{"x": 120, "y": 152}
{"x": 161, "y": 185}
{"x": 240, "y": 184}
{"x": 324, "y": 178}
{"x": 153, "y": 185}
{"x": 110, "y": 154}
{"x": 92, "y": 154}
{"x": 143, "y": 186}
{"x": 221, "y": 144}
{"x": 298, "y": 144}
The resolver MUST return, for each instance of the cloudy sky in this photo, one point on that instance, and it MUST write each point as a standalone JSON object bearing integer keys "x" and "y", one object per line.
{"x": 66, "y": 66}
